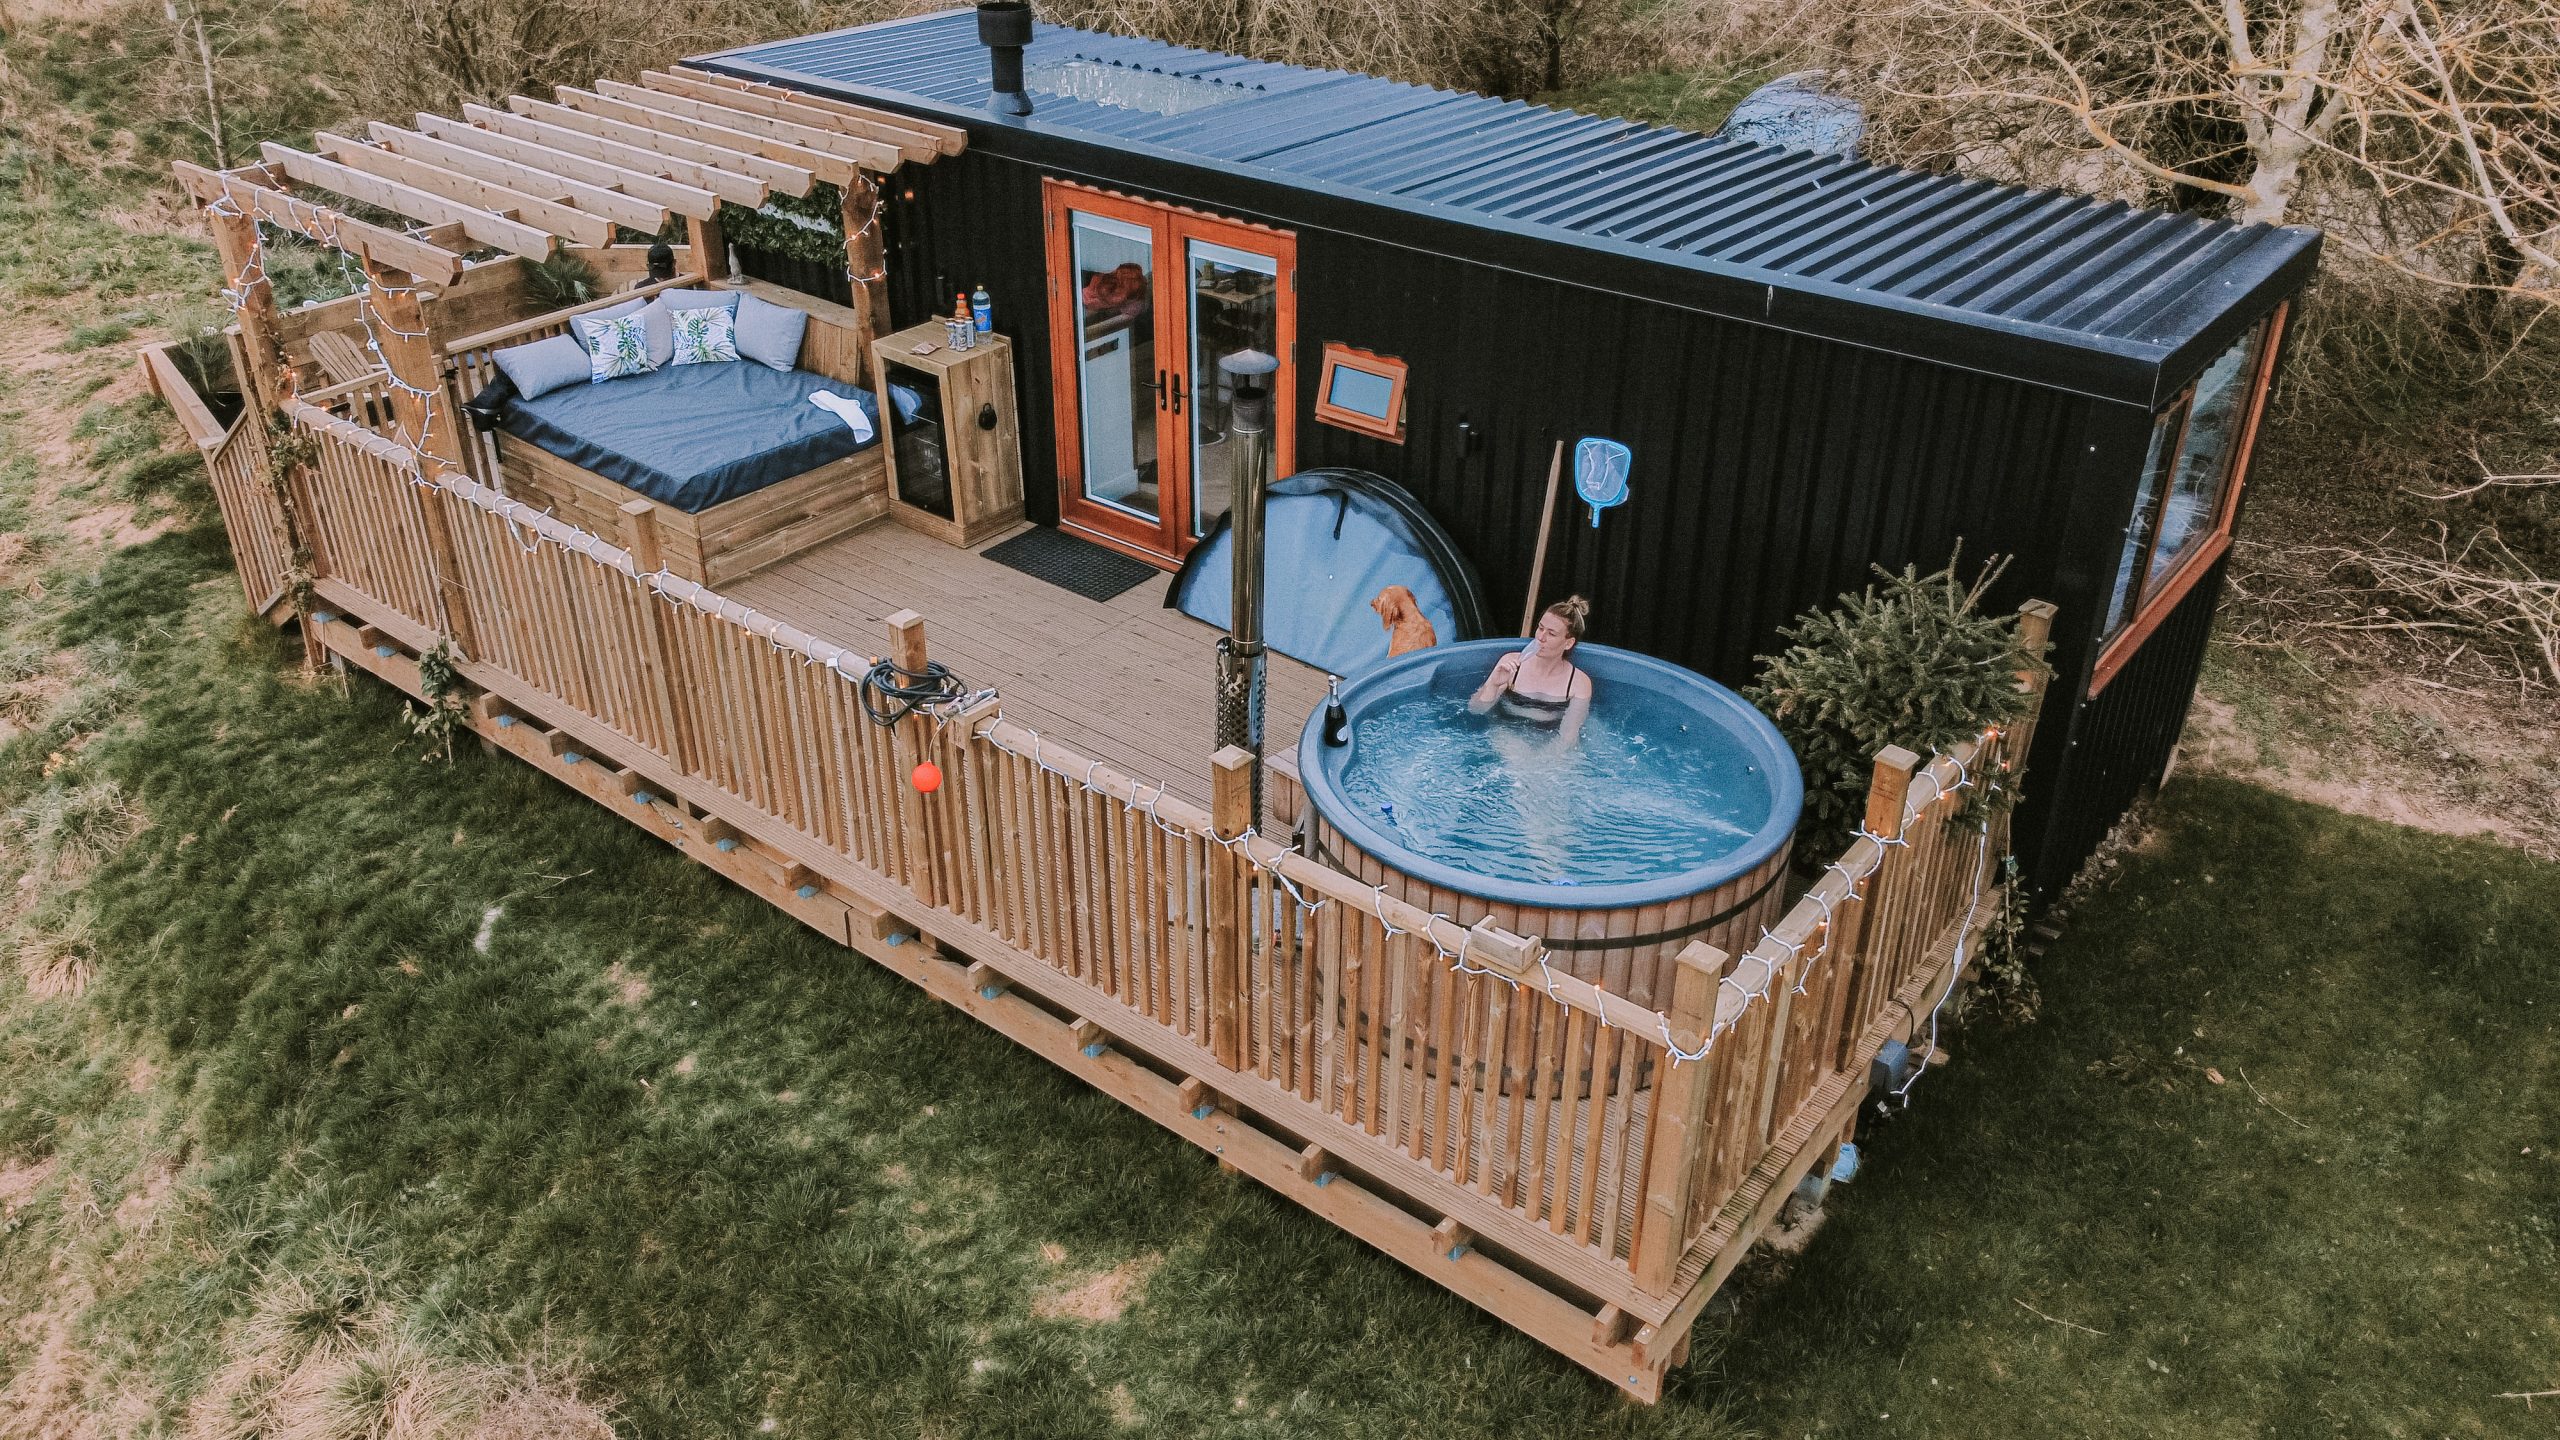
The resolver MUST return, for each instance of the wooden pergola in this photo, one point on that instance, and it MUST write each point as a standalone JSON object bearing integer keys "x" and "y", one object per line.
{"x": 536, "y": 175}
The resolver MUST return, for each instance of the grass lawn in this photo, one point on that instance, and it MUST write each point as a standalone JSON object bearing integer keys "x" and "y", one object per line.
{"x": 398, "y": 1074}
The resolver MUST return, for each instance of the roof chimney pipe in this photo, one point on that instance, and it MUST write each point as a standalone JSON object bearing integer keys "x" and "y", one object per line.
{"x": 1004, "y": 27}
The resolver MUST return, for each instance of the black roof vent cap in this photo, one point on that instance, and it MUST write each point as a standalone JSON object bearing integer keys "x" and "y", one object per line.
{"x": 1004, "y": 27}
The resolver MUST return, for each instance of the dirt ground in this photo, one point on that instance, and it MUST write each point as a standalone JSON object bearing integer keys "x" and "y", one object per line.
{"x": 2390, "y": 745}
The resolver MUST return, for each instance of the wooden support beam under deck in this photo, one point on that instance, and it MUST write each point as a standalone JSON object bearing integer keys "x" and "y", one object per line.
{"x": 513, "y": 236}
{"x": 735, "y": 186}
{"x": 562, "y": 221}
{"x": 612, "y": 205}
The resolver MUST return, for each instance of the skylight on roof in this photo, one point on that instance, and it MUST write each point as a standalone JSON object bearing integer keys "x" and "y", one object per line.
{"x": 1128, "y": 87}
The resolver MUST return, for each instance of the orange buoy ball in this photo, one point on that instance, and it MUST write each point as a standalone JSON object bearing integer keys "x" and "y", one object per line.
{"x": 928, "y": 777}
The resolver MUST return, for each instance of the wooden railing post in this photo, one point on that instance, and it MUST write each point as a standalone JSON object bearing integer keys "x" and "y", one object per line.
{"x": 709, "y": 249}
{"x": 907, "y": 652}
{"x": 1230, "y": 813}
{"x": 640, "y": 536}
{"x": 399, "y": 331}
{"x": 1680, "y": 1121}
{"x": 1886, "y": 794}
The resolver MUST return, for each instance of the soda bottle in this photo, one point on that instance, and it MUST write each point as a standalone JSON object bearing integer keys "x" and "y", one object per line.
{"x": 982, "y": 307}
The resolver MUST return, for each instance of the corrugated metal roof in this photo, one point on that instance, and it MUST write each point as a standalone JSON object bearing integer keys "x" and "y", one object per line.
{"x": 2093, "y": 295}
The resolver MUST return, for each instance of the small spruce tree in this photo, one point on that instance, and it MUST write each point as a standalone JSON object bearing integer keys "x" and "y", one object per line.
{"x": 1910, "y": 662}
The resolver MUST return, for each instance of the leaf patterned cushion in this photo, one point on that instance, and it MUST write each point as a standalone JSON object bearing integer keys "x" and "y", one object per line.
{"x": 704, "y": 337}
{"x": 616, "y": 347}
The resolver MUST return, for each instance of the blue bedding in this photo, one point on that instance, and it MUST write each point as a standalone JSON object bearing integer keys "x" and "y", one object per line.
{"x": 692, "y": 436}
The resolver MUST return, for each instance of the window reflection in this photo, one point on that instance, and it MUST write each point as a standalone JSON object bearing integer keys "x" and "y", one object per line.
{"x": 2195, "y": 500}
{"x": 2146, "y": 511}
{"x": 2184, "y": 498}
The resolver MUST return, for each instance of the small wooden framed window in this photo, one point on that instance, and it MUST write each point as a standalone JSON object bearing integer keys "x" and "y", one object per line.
{"x": 2189, "y": 494}
{"x": 1363, "y": 392}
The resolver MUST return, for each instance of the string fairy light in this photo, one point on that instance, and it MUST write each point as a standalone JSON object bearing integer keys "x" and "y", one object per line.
{"x": 681, "y": 592}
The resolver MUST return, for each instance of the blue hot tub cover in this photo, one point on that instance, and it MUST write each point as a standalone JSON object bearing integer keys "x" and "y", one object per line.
{"x": 1333, "y": 539}
{"x": 691, "y": 436}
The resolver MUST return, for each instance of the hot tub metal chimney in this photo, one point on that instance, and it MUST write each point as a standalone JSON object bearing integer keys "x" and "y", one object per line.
{"x": 1240, "y": 656}
{"x": 1004, "y": 27}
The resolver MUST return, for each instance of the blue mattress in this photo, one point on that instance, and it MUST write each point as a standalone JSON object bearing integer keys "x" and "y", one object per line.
{"x": 692, "y": 436}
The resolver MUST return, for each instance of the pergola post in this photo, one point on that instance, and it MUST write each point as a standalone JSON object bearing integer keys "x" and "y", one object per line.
{"x": 710, "y": 250}
{"x": 423, "y": 422}
{"x": 866, "y": 258}
{"x": 269, "y": 381}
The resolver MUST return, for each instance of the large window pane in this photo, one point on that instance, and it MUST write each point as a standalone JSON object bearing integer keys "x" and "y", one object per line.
{"x": 1235, "y": 305}
{"x": 2146, "y": 511}
{"x": 1116, "y": 361}
{"x": 2204, "y": 462}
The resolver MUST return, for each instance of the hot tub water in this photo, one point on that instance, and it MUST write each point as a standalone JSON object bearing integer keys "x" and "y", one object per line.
{"x": 1651, "y": 790}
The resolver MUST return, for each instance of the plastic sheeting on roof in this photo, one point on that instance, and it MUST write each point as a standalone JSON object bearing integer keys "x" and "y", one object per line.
{"x": 1794, "y": 112}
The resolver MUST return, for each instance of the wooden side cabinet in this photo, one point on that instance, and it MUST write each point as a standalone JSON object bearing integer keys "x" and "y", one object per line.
{"x": 955, "y": 460}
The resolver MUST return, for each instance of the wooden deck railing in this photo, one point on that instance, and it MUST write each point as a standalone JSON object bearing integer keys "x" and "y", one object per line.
{"x": 1622, "y": 1154}
{"x": 235, "y": 458}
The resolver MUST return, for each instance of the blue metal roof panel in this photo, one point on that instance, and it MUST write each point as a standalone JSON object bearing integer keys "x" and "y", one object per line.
{"x": 2130, "y": 287}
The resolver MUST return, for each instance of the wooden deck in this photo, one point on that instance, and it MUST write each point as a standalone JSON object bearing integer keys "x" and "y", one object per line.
{"x": 1127, "y": 682}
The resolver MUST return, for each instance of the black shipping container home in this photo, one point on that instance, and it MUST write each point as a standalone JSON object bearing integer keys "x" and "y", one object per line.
{"x": 1818, "y": 364}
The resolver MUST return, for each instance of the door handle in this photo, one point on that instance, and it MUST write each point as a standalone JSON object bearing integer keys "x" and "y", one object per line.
{"x": 1177, "y": 393}
{"x": 1158, "y": 387}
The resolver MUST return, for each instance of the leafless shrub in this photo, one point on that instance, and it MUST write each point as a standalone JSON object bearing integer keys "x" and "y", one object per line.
{"x": 2424, "y": 135}
{"x": 2475, "y": 612}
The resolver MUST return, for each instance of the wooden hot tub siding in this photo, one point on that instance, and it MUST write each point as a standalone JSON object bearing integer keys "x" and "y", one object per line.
{"x": 1641, "y": 970}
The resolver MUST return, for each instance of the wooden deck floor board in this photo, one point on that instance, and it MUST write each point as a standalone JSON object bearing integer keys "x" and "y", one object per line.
{"x": 1126, "y": 682}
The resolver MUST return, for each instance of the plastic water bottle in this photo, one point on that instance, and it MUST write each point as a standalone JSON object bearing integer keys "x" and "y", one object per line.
{"x": 982, "y": 308}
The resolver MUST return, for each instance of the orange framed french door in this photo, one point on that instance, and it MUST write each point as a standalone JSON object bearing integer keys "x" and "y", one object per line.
{"x": 1144, "y": 301}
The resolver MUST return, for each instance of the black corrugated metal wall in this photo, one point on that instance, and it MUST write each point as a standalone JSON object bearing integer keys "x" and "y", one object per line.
{"x": 1770, "y": 469}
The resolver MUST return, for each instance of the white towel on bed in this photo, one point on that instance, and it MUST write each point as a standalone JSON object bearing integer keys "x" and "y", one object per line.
{"x": 844, "y": 409}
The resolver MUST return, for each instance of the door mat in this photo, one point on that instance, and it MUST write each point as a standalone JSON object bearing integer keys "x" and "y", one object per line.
{"x": 1071, "y": 563}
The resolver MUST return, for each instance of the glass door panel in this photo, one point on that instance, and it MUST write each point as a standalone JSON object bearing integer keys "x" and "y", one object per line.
{"x": 1233, "y": 304}
{"x": 1144, "y": 301}
{"x": 1118, "y": 374}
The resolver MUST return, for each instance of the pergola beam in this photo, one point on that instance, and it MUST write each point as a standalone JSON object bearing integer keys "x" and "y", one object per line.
{"x": 672, "y": 196}
{"x": 832, "y": 168}
{"x": 427, "y": 261}
{"x": 861, "y": 149}
{"x": 789, "y": 179}
{"x": 610, "y": 205}
{"x": 560, "y": 221}
{"x": 533, "y": 124}
{"x": 513, "y": 236}
{"x": 844, "y": 115}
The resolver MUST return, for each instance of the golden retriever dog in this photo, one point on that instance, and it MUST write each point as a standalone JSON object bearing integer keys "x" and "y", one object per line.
{"x": 1407, "y": 628}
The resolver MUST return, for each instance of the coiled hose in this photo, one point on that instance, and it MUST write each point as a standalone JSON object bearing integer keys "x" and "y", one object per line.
{"x": 891, "y": 694}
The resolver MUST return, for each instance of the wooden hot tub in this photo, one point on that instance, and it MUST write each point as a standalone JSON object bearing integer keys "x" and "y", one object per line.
{"x": 1622, "y": 934}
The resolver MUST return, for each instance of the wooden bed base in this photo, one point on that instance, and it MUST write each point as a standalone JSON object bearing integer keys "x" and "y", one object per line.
{"x": 733, "y": 538}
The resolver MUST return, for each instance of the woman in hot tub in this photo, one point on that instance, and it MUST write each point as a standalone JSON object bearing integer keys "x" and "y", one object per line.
{"x": 1539, "y": 685}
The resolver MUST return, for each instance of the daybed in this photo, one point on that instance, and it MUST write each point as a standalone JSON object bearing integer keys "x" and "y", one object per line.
{"x": 739, "y": 469}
